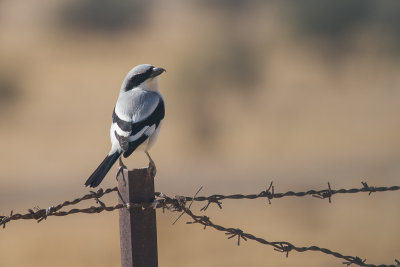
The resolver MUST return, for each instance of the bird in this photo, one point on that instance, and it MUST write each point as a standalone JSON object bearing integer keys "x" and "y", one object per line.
{"x": 136, "y": 120}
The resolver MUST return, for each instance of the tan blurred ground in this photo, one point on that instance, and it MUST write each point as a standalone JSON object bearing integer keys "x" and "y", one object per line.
{"x": 311, "y": 117}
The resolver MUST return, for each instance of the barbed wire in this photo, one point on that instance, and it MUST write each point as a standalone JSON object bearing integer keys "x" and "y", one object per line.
{"x": 270, "y": 194}
{"x": 280, "y": 246}
{"x": 41, "y": 214}
{"x": 179, "y": 204}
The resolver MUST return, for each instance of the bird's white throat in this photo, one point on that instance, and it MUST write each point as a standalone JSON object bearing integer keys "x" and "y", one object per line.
{"x": 150, "y": 85}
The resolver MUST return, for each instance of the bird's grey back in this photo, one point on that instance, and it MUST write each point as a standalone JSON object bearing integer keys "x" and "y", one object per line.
{"x": 137, "y": 104}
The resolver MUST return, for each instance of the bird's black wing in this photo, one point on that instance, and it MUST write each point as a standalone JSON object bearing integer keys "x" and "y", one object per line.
{"x": 153, "y": 119}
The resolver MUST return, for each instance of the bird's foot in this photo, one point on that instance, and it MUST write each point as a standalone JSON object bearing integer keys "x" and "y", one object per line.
{"x": 151, "y": 169}
{"x": 121, "y": 167}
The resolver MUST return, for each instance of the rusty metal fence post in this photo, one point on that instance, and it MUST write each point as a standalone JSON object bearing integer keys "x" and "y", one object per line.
{"x": 138, "y": 230}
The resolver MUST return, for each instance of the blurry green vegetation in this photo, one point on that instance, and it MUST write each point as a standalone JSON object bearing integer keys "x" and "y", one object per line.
{"x": 310, "y": 17}
{"x": 9, "y": 89}
{"x": 388, "y": 17}
{"x": 104, "y": 15}
{"x": 231, "y": 63}
{"x": 227, "y": 5}
{"x": 335, "y": 18}
{"x": 330, "y": 18}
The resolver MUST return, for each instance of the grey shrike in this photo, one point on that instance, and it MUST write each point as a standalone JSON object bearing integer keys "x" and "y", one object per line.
{"x": 136, "y": 119}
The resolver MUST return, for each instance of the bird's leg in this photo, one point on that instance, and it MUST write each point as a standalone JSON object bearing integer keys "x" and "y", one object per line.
{"x": 121, "y": 167}
{"x": 151, "y": 170}
{"x": 121, "y": 164}
{"x": 124, "y": 144}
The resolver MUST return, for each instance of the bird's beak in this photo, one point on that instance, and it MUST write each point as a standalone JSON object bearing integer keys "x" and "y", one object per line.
{"x": 157, "y": 71}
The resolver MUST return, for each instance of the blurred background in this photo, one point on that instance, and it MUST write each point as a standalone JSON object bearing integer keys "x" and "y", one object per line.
{"x": 295, "y": 92}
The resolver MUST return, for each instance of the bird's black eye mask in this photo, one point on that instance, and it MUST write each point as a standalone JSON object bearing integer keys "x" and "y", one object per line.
{"x": 137, "y": 79}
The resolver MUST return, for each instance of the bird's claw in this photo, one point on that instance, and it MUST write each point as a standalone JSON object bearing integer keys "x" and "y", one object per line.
{"x": 151, "y": 169}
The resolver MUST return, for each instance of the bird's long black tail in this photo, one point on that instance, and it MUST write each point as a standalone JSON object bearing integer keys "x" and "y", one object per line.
{"x": 101, "y": 171}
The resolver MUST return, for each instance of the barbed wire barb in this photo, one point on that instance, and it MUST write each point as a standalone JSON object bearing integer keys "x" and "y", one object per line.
{"x": 357, "y": 261}
{"x": 238, "y": 233}
{"x": 368, "y": 188}
{"x": 284, "y": 247}
{"x": 325, "y": 194}
{"x": 270, "y": 192}
{"x": 210, "y": 200}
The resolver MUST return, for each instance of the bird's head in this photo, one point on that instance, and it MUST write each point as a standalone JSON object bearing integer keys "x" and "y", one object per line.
{"x": 142, "y": 76}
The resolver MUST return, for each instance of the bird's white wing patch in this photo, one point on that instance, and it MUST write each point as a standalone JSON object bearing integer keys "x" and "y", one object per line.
{"x": 138, "y": 134}
{"x": 150, "y": 130}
